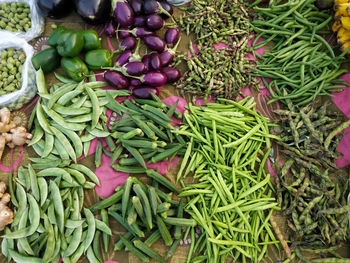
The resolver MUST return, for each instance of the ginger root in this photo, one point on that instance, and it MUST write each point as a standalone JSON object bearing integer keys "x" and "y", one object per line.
{"x": 10, "y": 133}
{"x": 6, "y": 214}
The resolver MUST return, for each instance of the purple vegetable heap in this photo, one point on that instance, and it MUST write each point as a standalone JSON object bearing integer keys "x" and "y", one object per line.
{"x": 136, "y": 20}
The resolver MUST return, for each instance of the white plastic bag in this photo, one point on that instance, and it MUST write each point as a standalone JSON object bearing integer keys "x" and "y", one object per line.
{"x": 37, "y": 20}
{"x": 18, "y": 98}
{"x": 178, "y": 2}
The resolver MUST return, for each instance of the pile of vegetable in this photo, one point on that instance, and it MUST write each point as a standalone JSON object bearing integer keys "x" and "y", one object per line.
{"x": 63, "y": 113}
{"x": 147, "y": 213}
{"x": 50, "y": 222}
{"x": 232, "y": 195}
{"x": 221, "y": 73}
{"x": 310, "y": 134}
{"x": 133, "y": 22}
{"x": 315, "y": 202}
{"x": 144, "y": 132}
{"x": 11, "y": 65}
{"x": 15, "y": 17}
{"x": 301, "y": 64}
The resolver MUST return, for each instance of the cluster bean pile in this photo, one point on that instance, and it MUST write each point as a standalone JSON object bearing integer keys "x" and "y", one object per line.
{"x": 50, "y": 222}
{"x": 15, "y": 17}
{"x": 63, "y": 113}
{"x": 144, "y": 132}
{"x": 147, "y": 213}
{"x": 231, "y": 199}
{"x": 218, "y": 72}
{"x": 310, "y": 135}
{"x": 11, "y": 64}
{"x": 301, "y": 63}
{"x": 316, "y": 205}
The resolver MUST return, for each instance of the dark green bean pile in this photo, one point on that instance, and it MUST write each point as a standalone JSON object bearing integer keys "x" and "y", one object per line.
{"x": 222, "y": 72}
{"x": 11, "y": 65}
{"x": 144, "y": 132}
{"x": 316, "y": 204}
{"x": 63, "y": 113}
{"x": 310, "y": 134}
{"x": 301, "y": 64}
{"x": 147, "y": 213}
{"x": 232, "y": 200}
{"x": 50, "y": 222}
{"x": 15, "y": 17}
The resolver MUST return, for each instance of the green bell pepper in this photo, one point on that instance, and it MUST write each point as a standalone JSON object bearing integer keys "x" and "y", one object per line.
{"x": 99, "y": 58}
{"x": 47, "y": 59}
{"x": 91, "y": 40}
{"x": 75, "y": 68}
{"x": 70, "y": 44}
{"x": 56, "y": 35}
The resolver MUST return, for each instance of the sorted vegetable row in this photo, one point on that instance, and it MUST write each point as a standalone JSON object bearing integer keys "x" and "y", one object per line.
{"x": 50, "y": 222}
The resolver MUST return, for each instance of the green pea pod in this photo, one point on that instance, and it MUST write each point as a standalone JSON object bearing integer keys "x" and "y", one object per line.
{"x": 96, "y": 59}
{"x": 70, "y": 44}
{"x": 75, "y": 68}
{"x": 91, "y": 40}
{"x": 56, "y": 35}
{"x": 47, "y": 59}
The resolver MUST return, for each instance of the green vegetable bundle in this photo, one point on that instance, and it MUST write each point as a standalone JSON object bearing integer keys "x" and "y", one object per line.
{"x": 302, "y": 64}
{"x": 144, "y": 132}
{"x": 50, "y": 222}
{"x": 222, "y": 72}
{"x": 232, "y": 200}
{"x": 315, "y": 202}
{"x": 63, "y": 113}
{"x": 147, "y": 213}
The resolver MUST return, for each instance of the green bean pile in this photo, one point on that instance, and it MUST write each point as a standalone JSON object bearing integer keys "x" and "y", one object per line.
{"x": 310, "y": 134}
{"x": 144, "y": 131}
{"x": 63, "y": 113}
{"x": 15, "y": 17}
{"x": 302, "y": 64}
{"x": 11, "y": 65}
{"x": 147, "y": 213}
{"x": 316, "y": 204}
{"x": 50, "y": 222}
{"x": 222, "y": 72}
{"x": 233, "y": 193}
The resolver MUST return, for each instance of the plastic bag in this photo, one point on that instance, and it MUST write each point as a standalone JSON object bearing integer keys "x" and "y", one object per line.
{"x": 37, "y": 20}
{"x": 178, "y": 2}
{"x": 26, "y": 93}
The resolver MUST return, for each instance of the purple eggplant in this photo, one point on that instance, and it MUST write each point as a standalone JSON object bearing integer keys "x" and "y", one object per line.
{"x": 154, "y": 79}
{"x": 136, "y": 6}
{"x": 153, "y": 7}
{"x": 140, "y": 21}
{"x": 168, "y": 55}
{"x": 135, "y": 82}
{"x": 144, "y": 92}
{"x": 154, "y": 22}
{"x": 93, "y": 11}
{"x": 123, "y": 13}
{"x": 123, "y": 32}
{"x": 136, "y": 54}
{"x": 115, "y": 79}
{"x": 167, "y": 7}
{"x": 110, "y": 29}
{"x": 56, "y": 8}
{"x": 172, "y": 74}
{"x": 154, "y": 43}
{"x": 140, "y": 32}
{"x": 128, "y": 43}
{"x": 146, "y": 59}
{"x": 134, "y": 68}
{"x": 123, "y": 58}
{"x": 171, "y": 36}
{"x": 155, "y": 61}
